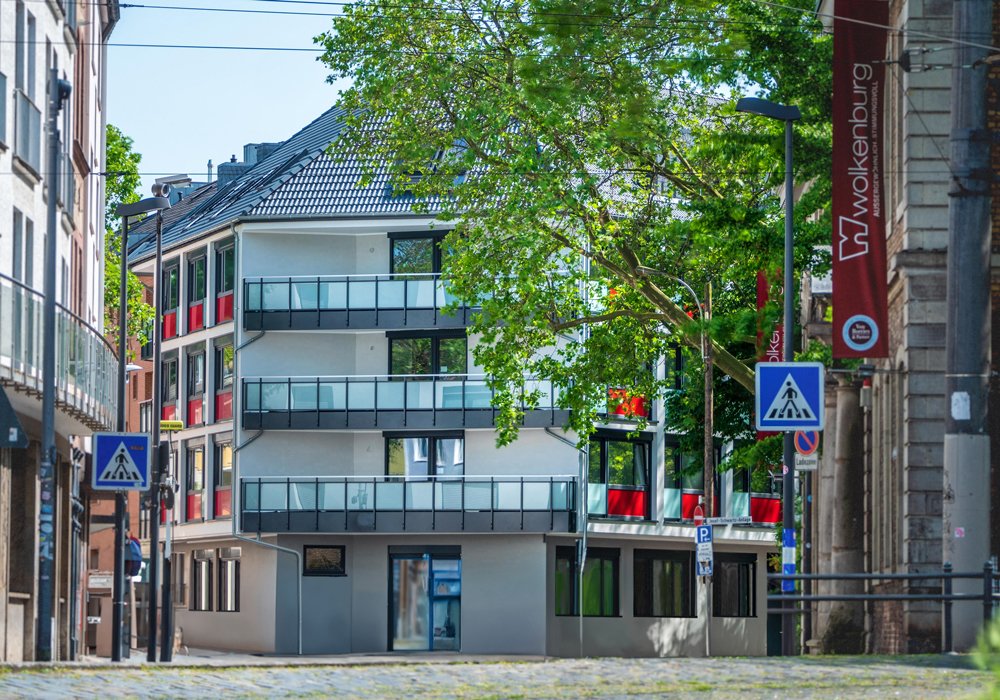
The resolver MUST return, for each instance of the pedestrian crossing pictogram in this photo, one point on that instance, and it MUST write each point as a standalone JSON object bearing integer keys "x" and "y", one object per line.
{"x": 121, "y": 467}
{"x": 121, "y": 461}
{"x": 789, "y": 404}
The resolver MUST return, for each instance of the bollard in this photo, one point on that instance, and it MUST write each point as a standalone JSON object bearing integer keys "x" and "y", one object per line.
{"x": 987, "y": 593}
{"x": 946, "y": 581}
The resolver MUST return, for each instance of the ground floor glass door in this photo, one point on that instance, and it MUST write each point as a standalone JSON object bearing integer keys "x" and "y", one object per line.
{"x": 425, "y": 602}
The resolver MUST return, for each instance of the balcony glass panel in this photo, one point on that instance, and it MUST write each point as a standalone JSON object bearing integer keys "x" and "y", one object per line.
{"x": 361, "y": 294}
{"x": 391, "y": 396}
{"x": 253, "y": 297}
{"x": 332, "y": 496}
{"x": 391, "y": 294}
{"x": 419, "y": 495}
{"x": 361, "y": 396}
{"x": 672, "y": 503}
{"x": 449, "y": 394}
{"x": 560, "y": 495}
{"x": 597, "y": 499}
{"x": 536, "y": 495}
{"x": 421, "y": 293}
{"x": 274, "y": 296}
{"x": 305, "y": 295}
{"x": 448, "y": 495}
{"x": 477, "y": 394}
{"x": 360, "y": 496}
{"x": 478, "y": 495}
{"x": 274, "y": 495}
{"x": 419, "y": 395}
{"x": 304, "y": 397}
{"x": 442, "y": 295}
{"x": 507, "y": 495}
{"x": 332, "y": 396}
{"x": 253, "y": 397}
{"x": 333, "y": 295}
{"x": 274, "y": 396}
{"x": 389, "y": 495}
{"x": 302, "y": 495}
{"x": 251, "y": 495}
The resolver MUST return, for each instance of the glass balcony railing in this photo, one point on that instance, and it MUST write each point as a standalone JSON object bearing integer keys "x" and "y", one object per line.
{"x": 413, "y": 503}
{"x": 388, "y": 300}
{"x": 416, "y": 400}
{"x": 86, "y": 364}
{"x": 27, "y": 131}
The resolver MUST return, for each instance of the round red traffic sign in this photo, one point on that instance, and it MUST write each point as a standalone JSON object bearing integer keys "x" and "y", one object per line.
{"x": 806, "y": 441}
{"x": 699, "y": 515}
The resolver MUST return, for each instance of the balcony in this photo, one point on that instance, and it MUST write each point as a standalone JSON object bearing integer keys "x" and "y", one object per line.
{"x": 27, "y": 132}
{"x": 384, "y": 402}
{"x": 409, "y": 504}
{"x": 86, "y": 364}
{"x": 350, "y": 302}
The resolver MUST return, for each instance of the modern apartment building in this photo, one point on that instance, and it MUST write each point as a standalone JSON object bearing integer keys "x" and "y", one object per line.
{"x": 70, "y": 37}
{"x": 340, "y": 489}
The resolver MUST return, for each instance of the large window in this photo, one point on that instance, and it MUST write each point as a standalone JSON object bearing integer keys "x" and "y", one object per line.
{"x": 664, "y": 584}
{"x": 225, "y": 269}
{"x": 735, "y": 585}
{"x": 427, "y": 455}
{"x": 229, "y": 579}
{"x": 195, "y": 470}
{"x": 619, "y": 463}
{"x": 201, "y": 580}
{"x": 224, "y": 367}
{"x": 416, "y": 254}
{"x": 196, "y": 374}
{"x": 168, "y": 386}
{"x": 171, "y": 287}
{"x": 224, "y": 464}
{"x": 196, "y": 279}
{"x": 600, "y": 582}
{"x": 428, "y": 354}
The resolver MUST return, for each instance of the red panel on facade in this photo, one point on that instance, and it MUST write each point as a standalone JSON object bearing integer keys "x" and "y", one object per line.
{"x": 170, "y": 324}
{"x": 193, "y": 507}
{"x": 196, "y": 411}
{"x": 223, "y": 502}
{"x": 196, "y": 316}
{"x": 765, "y": 509}
{"x": 224, "y": 307}
{"x": 169, "y": 412}
{"x": 224, "y": 405}
{"x": 621, "y": 404}
{"x": 688, "y": 503}
{"x": 627, "y": 502}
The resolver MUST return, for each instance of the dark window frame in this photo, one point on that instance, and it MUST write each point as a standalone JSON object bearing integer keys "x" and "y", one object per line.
{"x": 436, "y": 238}
{"x": 220, "y": 376}
{"x": 192, "y": 278}
{"x": 201, "y": 569}
{"x": 746, "y": 607}
{"x": 432, "y": 439}
{"x": 171, "y": 296}
{"x": 225, "y": 559}
{"x": 435, "y": 337}
{"x": 640, "y": 606}
{"x": 168, "y": 388}
{"x": 195, "y": 389}
{"x": 593, "y": 554}
{"x": 189, "y": 470}
{"x": 329, "y": 572}
{"x": 218, "y": 471}
{"x": 222, "y": 252}
{"x": 602, "y": 439}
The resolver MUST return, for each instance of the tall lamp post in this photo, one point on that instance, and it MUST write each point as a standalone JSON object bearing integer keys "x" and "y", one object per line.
{"x": 118, "y": 586}
{"x": 787, "y": 114}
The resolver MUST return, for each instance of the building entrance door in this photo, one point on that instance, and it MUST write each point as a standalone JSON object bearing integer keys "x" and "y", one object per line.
{"x": 425, "y": 603}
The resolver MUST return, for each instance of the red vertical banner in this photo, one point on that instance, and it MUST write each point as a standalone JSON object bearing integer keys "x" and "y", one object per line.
{"x": 860, "y": 295}
{"x": 770, "y": 341}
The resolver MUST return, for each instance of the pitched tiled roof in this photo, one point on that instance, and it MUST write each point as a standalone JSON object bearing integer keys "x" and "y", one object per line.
{"x": 297, "y": 181}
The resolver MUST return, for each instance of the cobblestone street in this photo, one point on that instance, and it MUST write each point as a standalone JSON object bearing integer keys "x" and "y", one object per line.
{"x": 359, "y": 677}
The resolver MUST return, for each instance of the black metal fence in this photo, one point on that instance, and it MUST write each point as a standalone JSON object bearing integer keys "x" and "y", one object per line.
{"x": 787, "y": 604}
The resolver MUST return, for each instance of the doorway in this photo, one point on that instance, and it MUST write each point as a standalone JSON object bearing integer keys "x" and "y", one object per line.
{"x": 425, "y": 601}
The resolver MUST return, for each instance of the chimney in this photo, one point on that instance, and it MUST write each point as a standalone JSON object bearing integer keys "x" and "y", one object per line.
{"x": 210, "y": 171}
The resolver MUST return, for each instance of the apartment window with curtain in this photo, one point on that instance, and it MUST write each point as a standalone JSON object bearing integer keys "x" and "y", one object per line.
{"x": 600, "y": 594}
{"x": 663, "y": 583}
{"x": 201, "y": 580}
{"x": 229, "y": 580}
{"x": 734, "y": 585}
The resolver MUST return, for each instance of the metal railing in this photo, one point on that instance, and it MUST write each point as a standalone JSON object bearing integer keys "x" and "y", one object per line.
{"x": 27, "y": 131}
{"x": 347, "y": 292}
{"x": 944, "y": 578}
{"x": 302, "y": 503}
{"x": 86, "y": 364}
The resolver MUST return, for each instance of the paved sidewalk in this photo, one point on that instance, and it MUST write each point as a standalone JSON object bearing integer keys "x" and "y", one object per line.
{"x": 223, "y": 676}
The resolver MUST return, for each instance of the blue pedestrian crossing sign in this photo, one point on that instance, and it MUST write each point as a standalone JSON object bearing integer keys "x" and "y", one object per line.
{"x": 121, "y": 461}
{"x": 789, "y": 396}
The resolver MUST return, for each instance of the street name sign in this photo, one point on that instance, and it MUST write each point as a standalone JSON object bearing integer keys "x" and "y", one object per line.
{"x": 807, "y": 463}
{"x": 789, "y": 396}
{"x": 730, "y": 520}
{"x": 121, "y": 461}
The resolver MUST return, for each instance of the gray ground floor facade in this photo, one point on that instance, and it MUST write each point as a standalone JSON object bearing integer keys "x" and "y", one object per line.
{"x": 475, "y": 594}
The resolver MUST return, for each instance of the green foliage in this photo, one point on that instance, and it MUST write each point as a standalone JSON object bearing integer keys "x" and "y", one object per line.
{"x": 586, "y": 155}
{"x": 987, "y": 656}
{"x": 120, "y": 188}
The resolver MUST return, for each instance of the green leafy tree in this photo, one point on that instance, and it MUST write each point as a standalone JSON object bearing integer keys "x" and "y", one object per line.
{"x": 584, "y": 155}
{"x": 120, "y": 188}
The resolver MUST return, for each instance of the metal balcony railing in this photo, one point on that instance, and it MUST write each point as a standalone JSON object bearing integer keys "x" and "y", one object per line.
{"x": 349, "y": 301}
{"x": 409, "y": 504}
{"x": 86, "y": 364}
{"x": 27, "y": 131}
{"x": 387, "y": 401}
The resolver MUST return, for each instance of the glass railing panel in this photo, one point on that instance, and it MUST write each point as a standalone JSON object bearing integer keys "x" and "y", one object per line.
{"x": 274, "y": 495}
{"x": 274, "y": 396}
{"x": 303, "y": 396}
{"x": 361, "y": 294}
{"x": 389, "y": 495}
{"x": 332, "y": 495}
{"x": 507, "y": 495}
{"x": 391, "y": 396}
{"x": 536, "y": 495}
{"x": 597, "y": 499}
{"x": 419, "y": 394}
{"x": 361, "y": 396}
{"x": 360, "y": 496}
{"x": 274, "y": 296}
{"x": 561, "y": 495}
{"x": 253, "y": 300}
{"x": 252, "y": 397}
{"x": 332, "y": 396}
{"x": 305, "y": 296}
{"x": 391, "y": 294}
{"x": 420, "y": 293}
{"x": 478, "y": 495}
{"x": 333, "y": 295}
{"x": 302, "y": 495}
{"x": 672, "y": 503}
{"x": 419, "y": 495}
{"x": 740, "y": 504}
{"x": 449, "y": 394}
{"x": 251, "y": 495}
{"x": 443, "y": 295}
{"x": 477, "y": 394}
{"x": 448, "y": 495}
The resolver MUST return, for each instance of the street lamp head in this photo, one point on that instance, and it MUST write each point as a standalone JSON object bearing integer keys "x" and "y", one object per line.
{"x": 143, "y": 206}
{"x": 766, "y": 108}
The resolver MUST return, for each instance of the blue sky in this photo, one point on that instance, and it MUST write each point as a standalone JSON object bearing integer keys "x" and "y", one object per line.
{"x": 209, "y": 103}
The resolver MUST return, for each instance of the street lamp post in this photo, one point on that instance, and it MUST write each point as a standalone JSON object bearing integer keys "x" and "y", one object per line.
{"x": 118, "y": 586}
{"x": 787, "y": 114}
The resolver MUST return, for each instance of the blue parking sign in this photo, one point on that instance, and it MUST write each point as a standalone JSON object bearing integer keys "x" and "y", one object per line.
{"x": 789, "y": 395}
